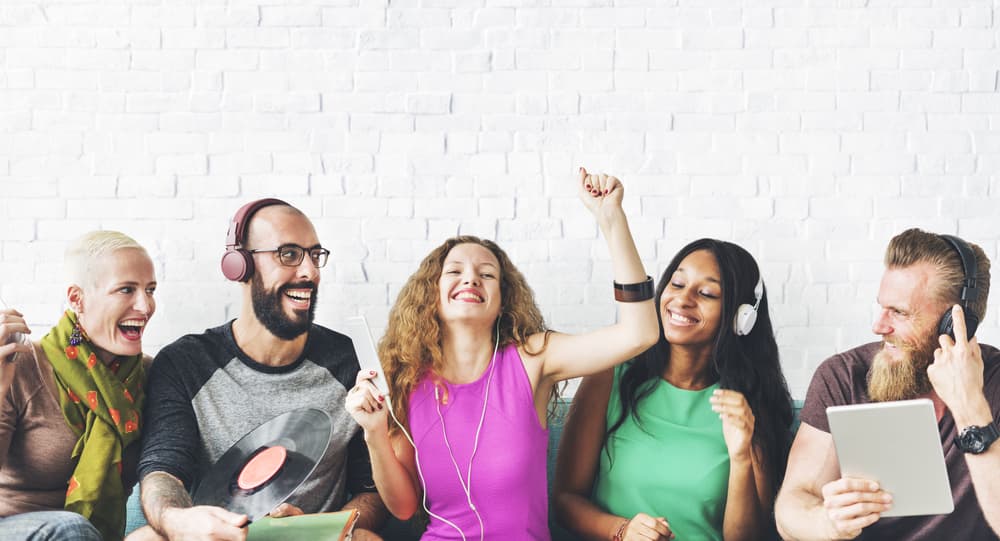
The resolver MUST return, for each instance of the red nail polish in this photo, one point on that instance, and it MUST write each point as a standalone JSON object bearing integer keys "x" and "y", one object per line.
{"x": 371, "y": 372}
{"x": 381, "y": 398}
{"x": 588, "y": 186}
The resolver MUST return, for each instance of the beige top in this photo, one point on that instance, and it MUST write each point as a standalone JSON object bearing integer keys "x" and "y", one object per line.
{"x": 36, "y": 442}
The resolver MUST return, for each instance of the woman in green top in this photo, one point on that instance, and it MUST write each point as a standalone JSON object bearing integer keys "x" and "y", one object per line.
{"x": 690, "y": 438}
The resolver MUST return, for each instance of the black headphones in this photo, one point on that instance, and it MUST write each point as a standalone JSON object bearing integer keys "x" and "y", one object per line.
{"x": 237, "y": 262}
{"x": 969, "y": 291}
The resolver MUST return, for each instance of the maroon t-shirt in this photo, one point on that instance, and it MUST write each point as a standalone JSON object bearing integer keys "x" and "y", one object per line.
{"x": 842, "y": 379}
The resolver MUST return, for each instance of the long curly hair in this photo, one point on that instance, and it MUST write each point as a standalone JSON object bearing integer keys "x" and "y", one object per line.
{"x": 411, "y": 345}
{"x": 748, "y": 364}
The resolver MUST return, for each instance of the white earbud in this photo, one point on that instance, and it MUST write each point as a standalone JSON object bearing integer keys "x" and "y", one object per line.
{"x": 746, "y": 315}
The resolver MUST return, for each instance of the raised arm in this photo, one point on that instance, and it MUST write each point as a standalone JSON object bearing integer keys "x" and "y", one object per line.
{"x": 567, "y": 356}
{"x": 957, "y": 377}
{"x": 579, "y": 457}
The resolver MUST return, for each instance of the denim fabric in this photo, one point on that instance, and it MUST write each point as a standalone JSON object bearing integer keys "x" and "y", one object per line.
{"x": 48, "y": 526}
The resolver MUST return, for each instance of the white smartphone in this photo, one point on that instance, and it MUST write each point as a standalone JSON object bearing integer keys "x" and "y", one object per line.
{"x": 357, "y": 329}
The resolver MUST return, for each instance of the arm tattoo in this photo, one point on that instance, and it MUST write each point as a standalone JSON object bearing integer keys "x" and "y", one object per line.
{"x": 161, "y": 491}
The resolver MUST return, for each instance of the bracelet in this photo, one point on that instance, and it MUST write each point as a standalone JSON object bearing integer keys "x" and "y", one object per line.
{"x": 637, "y": 292}
{"x": 620, "y": 534}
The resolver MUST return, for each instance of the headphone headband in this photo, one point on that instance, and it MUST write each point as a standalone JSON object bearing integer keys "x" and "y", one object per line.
{"x": 237, "y": 263}
{"x": 236, "y": 235}
{"x": 969, "y": 292}
{"x": 970, "y": 289}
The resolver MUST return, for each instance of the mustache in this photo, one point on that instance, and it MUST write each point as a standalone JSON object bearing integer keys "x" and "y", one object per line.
{"x": 298, "y": 285}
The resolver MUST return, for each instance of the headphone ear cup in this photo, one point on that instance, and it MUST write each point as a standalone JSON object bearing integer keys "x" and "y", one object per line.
{"x": 971, "y": 324}
{"x": 237, "y": 265}
{"x": 947, "y": 325}
{"x": 744, "y": 320}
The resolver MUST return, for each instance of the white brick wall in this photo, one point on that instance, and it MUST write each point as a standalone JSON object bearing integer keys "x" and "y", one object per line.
{"x": 809, "y": 132}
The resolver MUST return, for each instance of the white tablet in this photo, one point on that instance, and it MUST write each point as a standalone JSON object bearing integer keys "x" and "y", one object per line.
{"x": 357, "y": 329}
{"x": 896, "y": 444}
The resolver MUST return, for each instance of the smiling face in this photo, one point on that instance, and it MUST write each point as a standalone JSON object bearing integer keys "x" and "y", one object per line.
{"x": 691, "y": 303}
{"x": 113, "y": 309}
{"x": 907, "y": 321}
{"x": 469, "y": 286}
{"x": 283, "y": 297}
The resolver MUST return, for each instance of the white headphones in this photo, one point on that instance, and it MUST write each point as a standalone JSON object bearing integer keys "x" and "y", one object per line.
{"x": 746, "y": 315}
{"x": 465, "y": 482}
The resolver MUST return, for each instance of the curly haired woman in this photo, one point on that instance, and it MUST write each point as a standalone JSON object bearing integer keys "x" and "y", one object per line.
{"x": 471, "y": 367}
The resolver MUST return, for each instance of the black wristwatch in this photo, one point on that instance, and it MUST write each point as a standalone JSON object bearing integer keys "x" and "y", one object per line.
{"x": 977, "y": 439}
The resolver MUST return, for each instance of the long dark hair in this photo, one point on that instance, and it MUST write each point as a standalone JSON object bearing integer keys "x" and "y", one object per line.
{"x": 748, "y": 364}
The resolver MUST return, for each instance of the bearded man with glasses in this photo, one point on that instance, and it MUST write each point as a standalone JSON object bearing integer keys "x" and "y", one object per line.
{"x": 207, "y": 390}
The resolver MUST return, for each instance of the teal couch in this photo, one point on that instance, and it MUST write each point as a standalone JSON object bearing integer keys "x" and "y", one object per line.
{"x": 405, "y": 531}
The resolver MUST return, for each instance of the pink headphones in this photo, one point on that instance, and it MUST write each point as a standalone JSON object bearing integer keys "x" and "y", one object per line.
{"x": 237, "y": 263}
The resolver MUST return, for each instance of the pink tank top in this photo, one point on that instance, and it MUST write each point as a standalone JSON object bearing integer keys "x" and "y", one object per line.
{"x": 508, "y": 484}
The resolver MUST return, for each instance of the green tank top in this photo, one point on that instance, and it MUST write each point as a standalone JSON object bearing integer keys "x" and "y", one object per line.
{"x": 673, "y": 464}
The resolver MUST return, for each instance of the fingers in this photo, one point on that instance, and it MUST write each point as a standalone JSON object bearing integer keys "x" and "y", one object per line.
{"x": 365, "y": 375}
{"x": 285, "y": 510}
{"x": 856, "y": 496}
{"x": 958, "y": 321}
{"x": 643, "y": 526}
{"x": 8, "y": 351}
{"x": 598, "y": 185}
{"x": 731, "y": 404}
{"x": 10, "y": 325}
{"x": 849, "y": 529}
{"x": 848, "y": 484}
{"x": 854, "y": 504}
{"x": 233, "y": 519}
{"x": 364, "y": 396}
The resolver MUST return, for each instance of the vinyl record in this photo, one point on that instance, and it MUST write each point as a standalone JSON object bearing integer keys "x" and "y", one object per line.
{"x": 265, "y": 466}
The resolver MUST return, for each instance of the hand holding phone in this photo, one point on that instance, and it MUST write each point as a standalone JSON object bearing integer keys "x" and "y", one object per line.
{"x": 357, "y": 329}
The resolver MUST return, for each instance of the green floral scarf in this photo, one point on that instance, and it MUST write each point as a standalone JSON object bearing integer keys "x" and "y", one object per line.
{"x": 102, "y": 405}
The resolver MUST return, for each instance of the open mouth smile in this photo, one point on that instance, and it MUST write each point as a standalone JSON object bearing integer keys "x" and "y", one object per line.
{"x": 300, "y": 297}
{"x": 681, "y": 320}
{"x": 468, "y": 295}
{"x": 132, "y": 329}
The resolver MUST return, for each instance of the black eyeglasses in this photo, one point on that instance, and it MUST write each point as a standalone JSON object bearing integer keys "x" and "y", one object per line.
{"x": 291, "y": 255}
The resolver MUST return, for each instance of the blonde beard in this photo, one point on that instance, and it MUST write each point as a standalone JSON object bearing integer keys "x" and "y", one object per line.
{"x": 902, "y": 379}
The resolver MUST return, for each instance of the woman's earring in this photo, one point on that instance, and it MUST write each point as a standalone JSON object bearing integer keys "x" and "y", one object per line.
{"x": 76, "y": 336}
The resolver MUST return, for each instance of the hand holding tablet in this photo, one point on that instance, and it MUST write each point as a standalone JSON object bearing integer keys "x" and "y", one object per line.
{"x": 897, "y": 446}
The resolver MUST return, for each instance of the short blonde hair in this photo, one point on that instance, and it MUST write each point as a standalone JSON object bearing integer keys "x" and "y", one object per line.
{"x": 917, "y": 246}
{"x": 85, "y": 251}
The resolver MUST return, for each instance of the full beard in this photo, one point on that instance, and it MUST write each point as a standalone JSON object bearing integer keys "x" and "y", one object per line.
{"x": 902, "y": 379}
{"x": 267, "y": 306}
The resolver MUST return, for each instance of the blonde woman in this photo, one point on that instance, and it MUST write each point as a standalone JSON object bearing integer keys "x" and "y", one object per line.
{"x": 69, "y": 416}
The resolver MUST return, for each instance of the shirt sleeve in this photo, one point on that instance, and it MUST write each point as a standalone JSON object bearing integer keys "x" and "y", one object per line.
{"x": 12, "y": 400}
{"x": 170, "y": 435}
{"x": 826, "y": 389}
